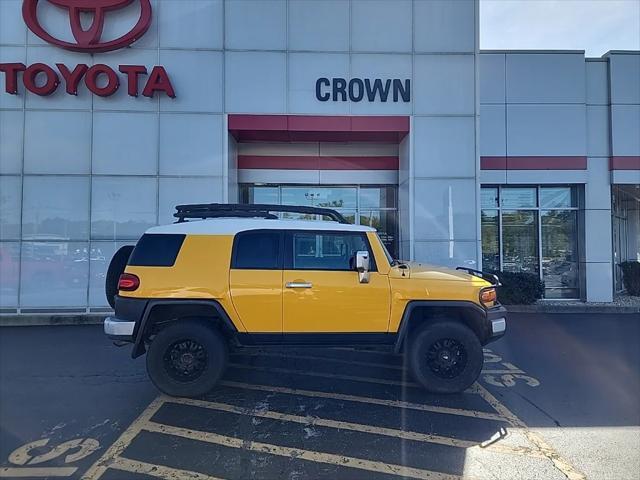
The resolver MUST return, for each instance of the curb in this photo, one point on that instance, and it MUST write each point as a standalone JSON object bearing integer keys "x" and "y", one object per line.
{"x": 38, "y": 320}
{"x": 613, "y": 309}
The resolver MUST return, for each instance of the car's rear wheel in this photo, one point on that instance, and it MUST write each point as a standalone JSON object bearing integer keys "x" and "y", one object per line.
{"x": 445, "y": 357}
{"x": 187, "y": 358}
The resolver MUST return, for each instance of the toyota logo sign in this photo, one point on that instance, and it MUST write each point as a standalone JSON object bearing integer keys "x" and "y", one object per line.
{"x": 89, "y": 40}
{"x": 100, "y": 79}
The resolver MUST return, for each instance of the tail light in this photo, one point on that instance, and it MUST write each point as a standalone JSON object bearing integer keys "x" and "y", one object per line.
{"x": 128, "y": 282}
{"x": 488, "y": 296}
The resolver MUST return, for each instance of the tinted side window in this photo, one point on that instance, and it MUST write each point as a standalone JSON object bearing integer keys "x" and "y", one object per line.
{"x": 259, "y": 250}
{"x": 156, "y": 250}
{"x": 325, "y": 251}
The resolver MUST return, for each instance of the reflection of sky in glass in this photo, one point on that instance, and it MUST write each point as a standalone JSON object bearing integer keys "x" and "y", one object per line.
{"x": 339, "y": 197}
{"x": 267, "y": 195}
{"x": 489, "y": 197}
{"x": 556, "y": 197}
{"x": 518, "y": 197}
{"x": 377, "y": 197}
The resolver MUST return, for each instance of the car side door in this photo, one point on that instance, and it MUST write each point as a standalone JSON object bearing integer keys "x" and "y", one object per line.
{"x": 322, "y": 291}
{"x": 255, "y": 279}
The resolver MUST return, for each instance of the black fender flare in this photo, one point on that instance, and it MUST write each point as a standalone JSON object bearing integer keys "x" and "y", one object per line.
{"x": 478, "y": 317}
{"x": 138, "y": 345}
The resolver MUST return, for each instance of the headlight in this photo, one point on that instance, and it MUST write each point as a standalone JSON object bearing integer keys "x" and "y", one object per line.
{"x": 488, "y": 297}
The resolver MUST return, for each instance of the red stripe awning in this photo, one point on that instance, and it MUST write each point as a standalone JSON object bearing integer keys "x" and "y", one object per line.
{"x": 318, "y": 128}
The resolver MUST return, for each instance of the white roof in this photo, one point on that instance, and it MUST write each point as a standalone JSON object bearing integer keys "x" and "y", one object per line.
{"x": 231, "y": 226}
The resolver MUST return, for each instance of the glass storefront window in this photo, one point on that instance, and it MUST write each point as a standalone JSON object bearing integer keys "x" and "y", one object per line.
{"x": 332, "y": 197}
{"x": 626, "y": 228}
{"x": 518, "y": 197}
{"x": 385, "y": 222}
{"x": 490, "y": 225}
{"x": 374, "y": 206}
{"x": 559, "y": 255}
{"x": 557, "y": 197}
{"x": 520, "y": 241}
{"x": 489, "y": 198}
{"x": 519, "y": 236}
{"x": 377, "y": 197}
{"x": 268, "y": 195}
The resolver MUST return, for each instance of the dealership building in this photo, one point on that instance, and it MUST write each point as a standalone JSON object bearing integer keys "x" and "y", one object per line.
{"x": 385, "y": 110}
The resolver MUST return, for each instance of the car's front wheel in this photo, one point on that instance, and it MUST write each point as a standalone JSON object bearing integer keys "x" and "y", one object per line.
{"x": 445, "y": 357}
{"x": 187, "y": 358}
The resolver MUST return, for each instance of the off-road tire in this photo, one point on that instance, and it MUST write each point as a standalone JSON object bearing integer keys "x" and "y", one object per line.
{"x": 116, "y": 267}
{"x": 208, "y": 337}
{"x": 426, "y": 339}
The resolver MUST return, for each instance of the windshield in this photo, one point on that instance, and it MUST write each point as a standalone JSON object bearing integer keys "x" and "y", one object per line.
{"x": 390, "y": 259}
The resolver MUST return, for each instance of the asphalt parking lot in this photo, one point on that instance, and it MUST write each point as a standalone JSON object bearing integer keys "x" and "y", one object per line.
{"x": 558, "y": 398}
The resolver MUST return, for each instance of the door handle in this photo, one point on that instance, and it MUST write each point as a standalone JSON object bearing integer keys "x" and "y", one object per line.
{"x": 298, "y": 285}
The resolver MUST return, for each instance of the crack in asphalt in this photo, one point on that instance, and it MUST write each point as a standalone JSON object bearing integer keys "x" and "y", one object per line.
{"x": 540, "y": 409}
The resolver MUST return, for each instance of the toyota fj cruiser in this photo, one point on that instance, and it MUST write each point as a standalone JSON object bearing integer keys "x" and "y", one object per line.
{"x": 238, "y": 275}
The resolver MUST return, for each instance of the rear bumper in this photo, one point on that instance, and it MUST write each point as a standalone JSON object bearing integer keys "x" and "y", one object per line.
{"x": 118, "y": 329}
{"x": 497, "y": 322}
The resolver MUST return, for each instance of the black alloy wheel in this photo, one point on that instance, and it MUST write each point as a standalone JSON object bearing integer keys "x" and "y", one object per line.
{"x": 185, "y": 360}
{"x": 446, "y": 358}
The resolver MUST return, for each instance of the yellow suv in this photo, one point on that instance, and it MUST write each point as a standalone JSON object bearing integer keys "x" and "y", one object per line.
{"x": 239, "y": 275}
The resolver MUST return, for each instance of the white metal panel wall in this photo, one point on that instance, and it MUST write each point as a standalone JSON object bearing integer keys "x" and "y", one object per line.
{"x": 114, "y": 165}
{"x": 492, "y": 77}
{"x": 555, "y": 104}
{"x": 624, "y": 78}
{"x": 137, "y": 156}
{"x": 545, "y": 78}
{"x": 546, "y": 130}
{"x": 597, "y": 81}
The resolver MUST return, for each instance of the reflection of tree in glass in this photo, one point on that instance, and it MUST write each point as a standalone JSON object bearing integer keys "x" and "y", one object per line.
{"x": 332, "y": 204}
{"x": 559, "y": 264}
{"x": 490, "y": 239}
{"x": 520, "y": 245}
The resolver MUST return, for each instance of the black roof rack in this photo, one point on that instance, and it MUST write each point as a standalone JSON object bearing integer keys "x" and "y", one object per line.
{"x": 222, "y": 210}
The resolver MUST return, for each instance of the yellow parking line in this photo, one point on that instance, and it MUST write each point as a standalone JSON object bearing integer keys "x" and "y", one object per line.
{"x": 370, "y": 400}
{"x": 102, "y": 464}
{"x": 547, "y": 450}
{"x": 297, "y": 453}
{"x": 159, "y": 471}
{"x": 356, "y": 427}
{"x": 36, "y": 472}
{"x": 338, "y": 376}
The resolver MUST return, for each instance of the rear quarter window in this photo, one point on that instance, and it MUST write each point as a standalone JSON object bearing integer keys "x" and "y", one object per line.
{"x": 156, "y": 250}
{"x": 257, "y": 250}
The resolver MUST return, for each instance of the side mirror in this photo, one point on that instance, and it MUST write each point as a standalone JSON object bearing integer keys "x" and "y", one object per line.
{"x": 362, "y": 266}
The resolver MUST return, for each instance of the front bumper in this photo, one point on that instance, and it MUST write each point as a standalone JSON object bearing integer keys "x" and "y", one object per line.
{"x": 497, "y": 320}
{"x": 117, "y": 329}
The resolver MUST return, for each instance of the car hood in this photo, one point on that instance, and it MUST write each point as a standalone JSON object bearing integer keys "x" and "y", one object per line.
{"x": 425, "y": 271}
